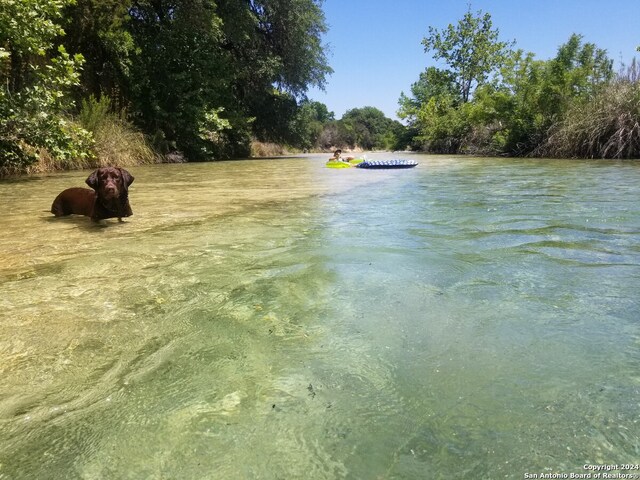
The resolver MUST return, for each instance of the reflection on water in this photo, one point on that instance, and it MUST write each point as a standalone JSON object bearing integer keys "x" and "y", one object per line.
{"x": 276, "y": 319}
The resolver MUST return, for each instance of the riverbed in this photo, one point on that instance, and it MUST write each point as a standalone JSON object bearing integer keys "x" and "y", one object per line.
{"x": 271, "y": 319}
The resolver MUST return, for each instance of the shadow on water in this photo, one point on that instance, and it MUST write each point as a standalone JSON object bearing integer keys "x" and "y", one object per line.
{"x": 469, "y": 318}
{"x": 84, "y": 223}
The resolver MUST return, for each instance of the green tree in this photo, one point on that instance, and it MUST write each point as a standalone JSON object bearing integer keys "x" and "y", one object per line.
{"x": 437, "y": 110}
{"x": 603, "y": 124}
{"x": 36, "y": 78}
{"x": 309, "y": 124}
{"x": 494, "y": 100}
{"x": 179, "y": 76}
{"x": 433, "y": 82}
{"x": 275, "y": 43}
{"x": 371, "y": 129}
{"x": 98, "y": 29}
{"x": 535, "y": 95}
{"x": 471, "y": 49}
{"x": 202, "y": 76}
{"x": 28, "y": 30}
{"x": 246, "y": 61}
{"x": 507, "y": 118}
{"x": 577, "y": 71}
{"x": 444, "y": 125}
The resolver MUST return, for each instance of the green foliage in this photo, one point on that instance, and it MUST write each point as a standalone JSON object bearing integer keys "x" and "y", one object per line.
{"x": 117, "y": 141}
{"x": 275, "y": 115}
{"x": 444, "y": 125}
{"x": 94, "y": 112}
{"x": 494, "y": 100}
{"x": 212, "y": 131}
{"x": 29, "y": 27}
{"x": 175, "y": 75}
{"x": 275, "y": 43}
{"x": 367, "y": 128}
{"x": 309, "y": 124}
{"x": 35, "y": 104}
{"x": 433, "y": 82}
{"x": 438, "y": 109}
{"x": 200, "y": 77}
{"x": 98, "y": 29}
{"x": 199, "y": 56}
{"x": 537, "y": 94}
{"x": 604, "y": 125}
{"x": 372, "y": 130}
{"x": 576, "y": 72}
{"x": 337, "y": 134}
{"x": 471, "y": 50}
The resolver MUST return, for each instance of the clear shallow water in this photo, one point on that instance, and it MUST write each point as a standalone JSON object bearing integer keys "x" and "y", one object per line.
{"x": 469, "y": 318}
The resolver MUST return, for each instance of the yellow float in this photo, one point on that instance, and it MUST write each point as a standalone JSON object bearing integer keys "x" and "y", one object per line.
{"x": 351, "y": 162}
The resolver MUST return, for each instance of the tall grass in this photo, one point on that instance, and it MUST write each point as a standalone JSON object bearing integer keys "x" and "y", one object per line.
{"x": 113, "y": 142}
{"x": 607, "y": 126}
{"x": 117, "y": 141}
{"x": 265, "y": 149}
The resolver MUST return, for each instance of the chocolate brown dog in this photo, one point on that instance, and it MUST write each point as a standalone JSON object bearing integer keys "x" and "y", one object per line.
{"x": 108, "y": 199}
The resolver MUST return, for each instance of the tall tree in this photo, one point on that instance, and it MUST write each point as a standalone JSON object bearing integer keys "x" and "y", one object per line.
{"x": 98, "y": 29}
{"x": 273, "y": 43}
{"x": 433, "y": 82}
{"x": 179, "y": 78}
{"x": 371, "y": 128}
{"x": 202, "y": 76}
{"x": 309, "y": 124}
{"x": 36, "y": 75}
{"x": 201, "y": 61}
{"x": 577, "y": 71}
{"x": 471, "y": 49}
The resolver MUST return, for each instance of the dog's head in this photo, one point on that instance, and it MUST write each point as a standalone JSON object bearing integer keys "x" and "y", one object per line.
{"x": 110, "y": 182}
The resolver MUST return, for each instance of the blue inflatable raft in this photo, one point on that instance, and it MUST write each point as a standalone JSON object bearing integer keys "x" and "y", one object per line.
{"x": 380, "y": 164}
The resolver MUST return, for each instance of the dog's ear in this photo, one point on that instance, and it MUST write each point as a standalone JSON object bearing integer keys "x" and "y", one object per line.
{"x": 92, "y": 180}
{"x": 127, "y": 178}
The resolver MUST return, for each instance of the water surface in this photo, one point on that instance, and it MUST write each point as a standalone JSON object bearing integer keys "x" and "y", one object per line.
{"x": 468, "y": 318}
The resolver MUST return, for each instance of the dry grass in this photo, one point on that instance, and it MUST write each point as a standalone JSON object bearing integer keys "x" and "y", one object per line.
{"x": 608, "y": 126}
{"x": 47, "y": 163}
{"x": 109, "y": 140}
{"x": 263, "y": 149}
{"x": 118, "y": 143}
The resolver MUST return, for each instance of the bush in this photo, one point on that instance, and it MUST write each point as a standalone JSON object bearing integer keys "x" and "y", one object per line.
{"x": 29, "y": 141}
{"x": 117, "y": 141}
{"x": 444, "y": 125}
{"x": 34, "y": 119}
{"x": 266, "y": 149}
{"x": 608, "y": 126}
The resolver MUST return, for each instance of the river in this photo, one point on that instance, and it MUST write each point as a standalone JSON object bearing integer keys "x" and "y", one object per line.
{"x": 276, "y": 319}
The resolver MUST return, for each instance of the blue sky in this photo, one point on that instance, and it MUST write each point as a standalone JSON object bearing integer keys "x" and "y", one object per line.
{"x": 376, "y": 51}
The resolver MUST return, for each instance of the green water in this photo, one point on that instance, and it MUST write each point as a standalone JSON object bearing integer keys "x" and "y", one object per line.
{"x": 468, "y": 318}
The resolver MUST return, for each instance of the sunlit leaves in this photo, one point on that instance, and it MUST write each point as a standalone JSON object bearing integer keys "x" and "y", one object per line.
{"x": 37, "y": 78}
{"x": 471, "y": 49}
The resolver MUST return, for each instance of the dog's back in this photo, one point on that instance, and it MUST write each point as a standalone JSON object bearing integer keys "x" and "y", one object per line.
{"x": 78, "y": 201}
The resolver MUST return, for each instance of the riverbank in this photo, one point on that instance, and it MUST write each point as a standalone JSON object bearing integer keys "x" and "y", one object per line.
{"x": 136, "y": 152}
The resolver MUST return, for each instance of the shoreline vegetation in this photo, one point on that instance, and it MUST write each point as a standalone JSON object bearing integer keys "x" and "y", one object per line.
{"x": 85, "y": 84}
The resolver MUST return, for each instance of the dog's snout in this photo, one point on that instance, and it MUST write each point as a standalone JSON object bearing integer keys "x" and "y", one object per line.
{"x": 110, "y": 185}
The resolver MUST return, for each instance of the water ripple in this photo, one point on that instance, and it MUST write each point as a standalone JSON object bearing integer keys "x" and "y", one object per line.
{"x": 470, "y": 318}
